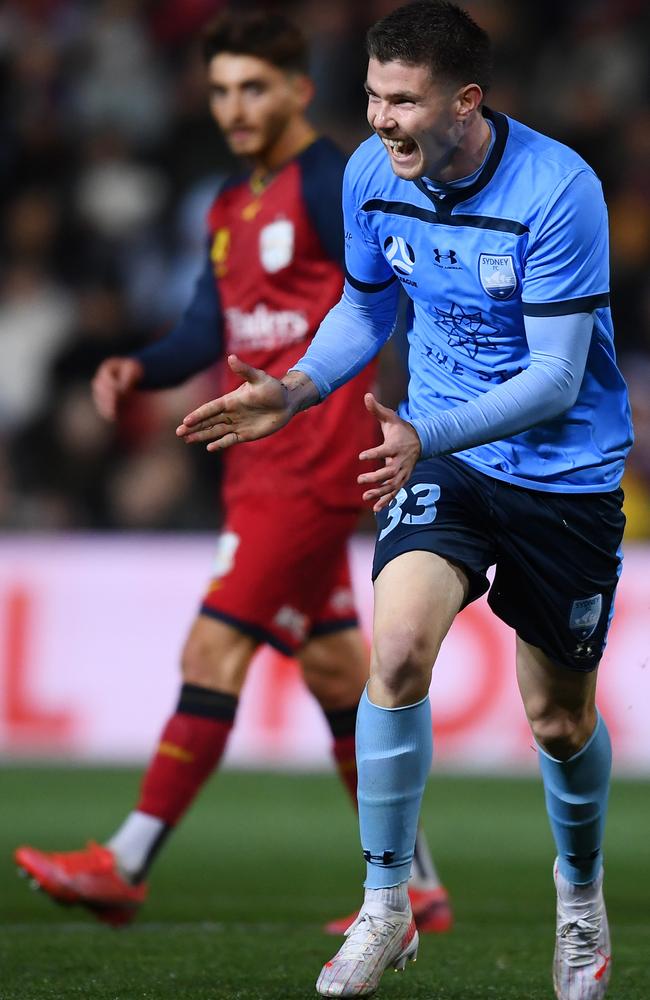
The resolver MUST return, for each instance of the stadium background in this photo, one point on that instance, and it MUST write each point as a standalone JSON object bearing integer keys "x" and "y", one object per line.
{"x": 108, "y": 160}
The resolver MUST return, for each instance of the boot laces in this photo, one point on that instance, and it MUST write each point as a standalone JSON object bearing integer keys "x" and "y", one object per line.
{"x": 364, "y": 935}
{"x": 580, "y": 940}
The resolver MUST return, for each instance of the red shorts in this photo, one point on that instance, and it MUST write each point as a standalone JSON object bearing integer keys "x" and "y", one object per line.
{"x": 281, "y": 571}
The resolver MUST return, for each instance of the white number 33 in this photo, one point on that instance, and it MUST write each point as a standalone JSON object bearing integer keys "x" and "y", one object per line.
{"x": 426, "y": 495}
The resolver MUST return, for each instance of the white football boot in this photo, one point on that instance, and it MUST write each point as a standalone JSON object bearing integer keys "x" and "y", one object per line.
{"x": 378, "y": 939}
{"x": 583, "y": 955}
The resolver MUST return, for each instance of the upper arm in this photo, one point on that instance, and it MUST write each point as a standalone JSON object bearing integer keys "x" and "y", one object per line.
{"x": 204, "y": 308}
{"x": 567, "y": 264}
{"x": 322, "y": 184}
{"x": 193, "y": 344}
{"x": 561, "y": 344}
{"x": 367, "y": 271}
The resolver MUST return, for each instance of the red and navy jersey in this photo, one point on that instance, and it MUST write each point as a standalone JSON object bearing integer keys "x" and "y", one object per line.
{"x": 274, "y": 270}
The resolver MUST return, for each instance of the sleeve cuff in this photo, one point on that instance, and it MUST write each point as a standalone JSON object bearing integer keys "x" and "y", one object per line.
{"x": 324, "y": 388}
{"x": 368, "y": 286}
{"x": 427, "y": 437}
{"x": 567, "y": 307}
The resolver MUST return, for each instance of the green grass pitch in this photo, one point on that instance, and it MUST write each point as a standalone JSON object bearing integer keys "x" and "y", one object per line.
{"x": 239, "y": 894}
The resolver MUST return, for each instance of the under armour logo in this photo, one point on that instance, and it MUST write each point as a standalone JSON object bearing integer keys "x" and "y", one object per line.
{"x": 451, "y": 256}
{"x": 381, "y": 859}
{"x": 584, "y": 650}
{"x": 582, "y": 860}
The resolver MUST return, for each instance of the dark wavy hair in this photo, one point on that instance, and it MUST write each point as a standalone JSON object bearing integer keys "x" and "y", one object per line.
{"x": 266, "y": 35}
{"x": 437, "y": 34}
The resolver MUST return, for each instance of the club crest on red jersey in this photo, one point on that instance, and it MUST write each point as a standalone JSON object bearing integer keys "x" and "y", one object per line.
{"x": 276, "y": 245}
{"x": 224, "y": 557}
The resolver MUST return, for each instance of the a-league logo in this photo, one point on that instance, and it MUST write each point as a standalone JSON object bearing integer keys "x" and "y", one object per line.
{"x": 399, "y": 254}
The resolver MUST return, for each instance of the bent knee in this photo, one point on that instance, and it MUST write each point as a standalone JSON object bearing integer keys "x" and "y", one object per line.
{"x": 402, "y": 664}
{"x": 562, "y": 732}
{"x": 335, "y": 668}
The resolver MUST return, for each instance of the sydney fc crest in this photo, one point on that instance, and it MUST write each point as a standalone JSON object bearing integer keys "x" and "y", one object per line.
{"x": 585, "y": 615}
{"x": 497, "y": 274}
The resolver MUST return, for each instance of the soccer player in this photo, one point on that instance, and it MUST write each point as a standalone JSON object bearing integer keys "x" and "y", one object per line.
{"x": 508, "y": 452}
{"x": 273, "y": 268}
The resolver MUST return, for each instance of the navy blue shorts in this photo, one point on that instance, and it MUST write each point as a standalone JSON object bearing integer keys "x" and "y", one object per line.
{"x": 557, "y": 555}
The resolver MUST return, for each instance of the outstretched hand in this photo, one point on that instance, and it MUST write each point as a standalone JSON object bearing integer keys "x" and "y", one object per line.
{"x": 258, "y": 407}
{"x": 400, "y": 451}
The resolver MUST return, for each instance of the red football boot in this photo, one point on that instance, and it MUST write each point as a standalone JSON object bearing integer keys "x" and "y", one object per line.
{"x": 431, "y": 910}
{"x": 88, "y": 878}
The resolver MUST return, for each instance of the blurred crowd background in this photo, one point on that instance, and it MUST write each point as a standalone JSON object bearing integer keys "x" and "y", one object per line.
{"x": 109, "y": 160}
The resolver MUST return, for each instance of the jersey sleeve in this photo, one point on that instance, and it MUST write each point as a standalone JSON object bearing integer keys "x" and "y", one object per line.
{"x": 567, "y": 264}
{"x": 366, "y": 268}
{"x": 545, "y": 389}
{"x": 322, "y": 168}
{"x": 193, "y": 344}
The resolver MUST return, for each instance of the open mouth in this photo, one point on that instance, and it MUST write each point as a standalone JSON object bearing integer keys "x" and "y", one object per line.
{"x": 399, "y": 149}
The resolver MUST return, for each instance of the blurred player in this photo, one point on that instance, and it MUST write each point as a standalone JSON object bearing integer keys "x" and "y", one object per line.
{"x": 508, "y": 452}
{"x": 273, "y": 268}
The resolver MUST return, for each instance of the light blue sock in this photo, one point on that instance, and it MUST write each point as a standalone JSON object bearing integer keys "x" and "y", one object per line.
{"x": 394, "y": 750}
{"x": 576, "y": 793}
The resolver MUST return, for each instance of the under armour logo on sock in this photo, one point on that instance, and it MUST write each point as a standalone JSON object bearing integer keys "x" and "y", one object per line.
{"x": 379, "y": 859}
{"x": 577, "y": 859}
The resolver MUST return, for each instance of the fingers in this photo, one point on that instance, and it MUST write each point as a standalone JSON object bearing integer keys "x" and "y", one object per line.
{"x": 225, "y": 442}
{"x": 385, "y": 484}
{"x": 207, "y": 432}
{"x": 381, "y": 496}
{"x": 247, "y": 372}
{"x": 380, "y": 475}
{"x": 203, "y": 417}
{"x": 104, "y": 405}
{"x": 377, "y": 454}
{"x": 208, "y": 414}
{"x": 383, "y": 413}
{"x": 105, "y": 398}
{"x": 113, "y": 382}
{"x": 384, "y": 502}
{"x": 381, "y": 491}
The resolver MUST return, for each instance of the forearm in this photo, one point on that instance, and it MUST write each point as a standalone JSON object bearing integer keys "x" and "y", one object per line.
{"x": 547, "y": 388}
{"x": 173, "y": 359}
{"x": 348, "y": 338}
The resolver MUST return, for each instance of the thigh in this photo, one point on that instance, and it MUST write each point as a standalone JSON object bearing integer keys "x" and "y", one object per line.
{"x": 417, "y": 596}
{"x": 546, "y": 685}
{"x": 277, "y": 562}
{"x": 443, "y": 509}
{"x": 558, "y": 565}
{"x": 338, "y": 610}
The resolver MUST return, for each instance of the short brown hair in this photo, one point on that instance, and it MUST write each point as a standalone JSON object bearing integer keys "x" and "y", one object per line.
{"x": 267, "y": 35}
{"x": 437, "y": 34}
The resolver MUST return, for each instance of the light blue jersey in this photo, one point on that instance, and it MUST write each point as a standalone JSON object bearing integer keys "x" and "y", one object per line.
{"x": 527, "y": 238}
